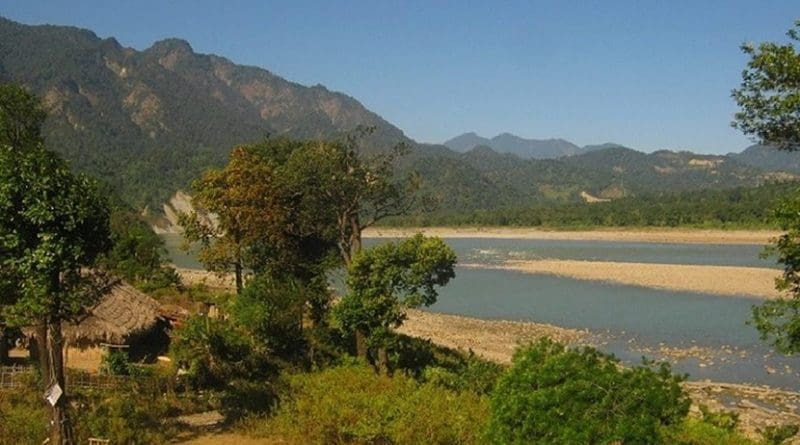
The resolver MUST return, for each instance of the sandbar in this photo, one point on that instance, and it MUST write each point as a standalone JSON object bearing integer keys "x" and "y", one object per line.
{"x": 718, "y": 280}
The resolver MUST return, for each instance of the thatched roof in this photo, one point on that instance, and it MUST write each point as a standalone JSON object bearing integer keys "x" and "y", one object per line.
{"x": 123, "y": 312}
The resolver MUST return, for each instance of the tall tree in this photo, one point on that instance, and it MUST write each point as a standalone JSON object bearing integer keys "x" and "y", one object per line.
{"x": 769, "y": 101}
{"x": 388, "y": 279}
{"x": 53, "y": 228}
{"x": 234, "y": 205}
{"x": 356, "y": 190}
{"x": 259, "y": 213}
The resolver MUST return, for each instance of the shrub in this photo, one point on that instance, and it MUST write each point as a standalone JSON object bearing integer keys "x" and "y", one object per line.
{"x": 727, "y": 420}
{"x": 699, "y": 432}
{"x": 778, "y": 434}
{"x": 555, "y": 395}
{"x": 116, "y": 363}
{"x": 475, "y": 374}
{"x": 271, "y": 310}
{"x": 443, "y": 366}
{"x": 214, "y": 351}
{"x": 353, "y": 404}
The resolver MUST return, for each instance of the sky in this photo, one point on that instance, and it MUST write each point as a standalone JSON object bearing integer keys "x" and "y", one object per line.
{"x": 650, "y": 75}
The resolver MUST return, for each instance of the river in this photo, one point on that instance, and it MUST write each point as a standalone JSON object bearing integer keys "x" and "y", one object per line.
{"x": 703, "y": 335}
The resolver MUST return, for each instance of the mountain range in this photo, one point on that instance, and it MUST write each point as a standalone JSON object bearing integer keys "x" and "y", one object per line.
{"x": 524, "y": 148}
{"x": 150, "y": 121}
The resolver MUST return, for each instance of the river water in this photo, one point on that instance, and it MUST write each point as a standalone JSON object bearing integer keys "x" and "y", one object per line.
{"x": 628, "y": 321}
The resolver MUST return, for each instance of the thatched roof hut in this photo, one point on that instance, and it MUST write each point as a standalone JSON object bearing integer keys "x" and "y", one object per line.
{"x": 122, "y": 313}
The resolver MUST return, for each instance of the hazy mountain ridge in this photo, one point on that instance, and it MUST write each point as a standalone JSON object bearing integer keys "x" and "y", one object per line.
{"x": 606, "y": 173}
{"x": 769, "y": 158}
{"x": 522, "y": 147}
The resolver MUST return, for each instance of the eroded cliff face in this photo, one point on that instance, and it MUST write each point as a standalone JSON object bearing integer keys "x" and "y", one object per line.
{"x": 179, "y": 203}
{"x": 168, "y": 220}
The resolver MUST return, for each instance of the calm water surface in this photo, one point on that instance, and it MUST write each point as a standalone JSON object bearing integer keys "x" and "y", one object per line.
{"x": 628, "y": 321}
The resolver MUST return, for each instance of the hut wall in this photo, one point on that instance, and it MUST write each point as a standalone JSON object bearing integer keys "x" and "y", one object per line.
{"x": 86, "y": 359}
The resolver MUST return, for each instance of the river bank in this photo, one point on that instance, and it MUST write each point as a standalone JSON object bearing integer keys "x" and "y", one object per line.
{"x": 758, "y": 407}
{"x": 654, "y": 235}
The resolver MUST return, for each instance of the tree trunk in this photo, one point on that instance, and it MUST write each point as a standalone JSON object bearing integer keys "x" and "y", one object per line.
{"x": 60, "y": 429}
{"x": 3, "y": 346}
{"x": 239, "y": 281}
{"x": 361, "y": 345}
{"x": 355, "y": 236}
{"x": 39, "y": 347}
{"x": 383, "y": 360}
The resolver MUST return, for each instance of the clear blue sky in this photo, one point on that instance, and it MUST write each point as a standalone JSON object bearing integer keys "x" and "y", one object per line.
{"x": 647, "y": 74}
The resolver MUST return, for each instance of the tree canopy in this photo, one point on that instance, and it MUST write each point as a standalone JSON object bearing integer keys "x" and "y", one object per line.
{"x": 386, "y": 280}
{"x": 769, "y": 96}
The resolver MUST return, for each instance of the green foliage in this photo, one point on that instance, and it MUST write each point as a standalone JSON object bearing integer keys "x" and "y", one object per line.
{"x": 122, "y": 417}
{"x": 267, "y": 214}
{"x": 778, "y": 321}
{"x": 243, "y": 398}
{"x": 352, "y": 404}
{"x": 694, "y": 431}
{"x": 21, "y": 117}
{"x": 214, "y": 351}
{"x": 23, "y": 418}
{"x": 730, "y": 208}
{"x": 385, "y": 280}
{"x": 479, "y": 376}
{"x": 57, "y": 225}
{"x": 138, "y": 255}
{"x": 769, "y": 96}
{"x": 778, "y": 434}
{"x": 726, "y": 420}
{"x": 557, "y": 395}
{"x": 271, "y": 310}
{"x": 116, "y": 362}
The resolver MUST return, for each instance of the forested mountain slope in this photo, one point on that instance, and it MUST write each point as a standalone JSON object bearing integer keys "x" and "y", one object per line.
{"x": 149, "y": 121}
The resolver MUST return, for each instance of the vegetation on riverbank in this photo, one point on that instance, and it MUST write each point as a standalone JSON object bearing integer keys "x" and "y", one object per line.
{"x": 736, "y": 208}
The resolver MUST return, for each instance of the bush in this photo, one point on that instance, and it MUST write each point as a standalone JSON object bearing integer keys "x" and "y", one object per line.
{"x": 554, "y": 395}
{"x": 726, "y": 420}
{"x": 443, "y": 366}
{"x": 699, "y": 432}
{"x": 353, "y": 404}
{"x": 116, "y": 363}
{"x": 215, "y": 351}
{"x": 271, "y": 310}
{"x": 776, "y": 435}
{"x": 475, "y": 374}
